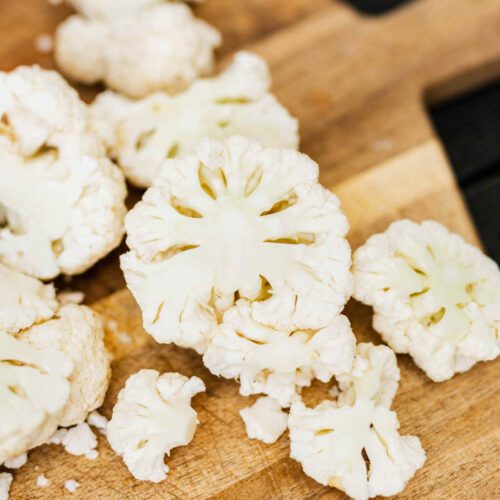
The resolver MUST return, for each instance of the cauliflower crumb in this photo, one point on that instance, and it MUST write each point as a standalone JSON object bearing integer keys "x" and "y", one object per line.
{"x": 80, "y": 441}
{"x": 5, "y": 482}
{"x": 55, "y": 2}
{"x": 16, "y": 462}
{"x": 264, "y": 420}
{"x": 100, "y": 422}
{"x": 71, "y": 485}
{"x": 58, "y": 436}
{"x": 42, "y": 481}
{"x": 72, "y": 297}
{"x": 44, "y": 43}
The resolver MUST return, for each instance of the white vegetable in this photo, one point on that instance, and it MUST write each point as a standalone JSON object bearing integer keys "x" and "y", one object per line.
{"x": 153, "y": 415}
{"x": 137, "y": 50}
{"x": 80, "y": 441}
{"x": 355, "y": 446}
{"x": 264, "y": 420}
{"x": 5, "y": 482}
{"x": 42, "y": 481}
{"x": 75, "y": 215}
{"x": 100, "y": 422}
{"x": 16, "y": 462}
{"x": 278, "y": 363}
{"x": 71, "y": 485}
{"x": 434, "y": 296}
{"x": 236, "y": 220}
{"x": 141, "y": 134}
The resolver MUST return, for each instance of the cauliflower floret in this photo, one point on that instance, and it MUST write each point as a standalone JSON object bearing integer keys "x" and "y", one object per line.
{"x": 136, "y": 51}
{"x": 5, "y": 482}
{"x": 23, "y": 301}
{"x": 78, "y": 441}
{"x": 153, "y": 415}
{"x": 264, "y": 420}
{"x": 434, "y": 296}
{"x": 77, "y": 332}
{"x": 16, "y": 462}
{"x": 247, "y": 351}
{"x": 75, "y": 215}
{"x": 236, "y": 220}
{"x": 141, "y": 134}
{"x": 354, "y": 444}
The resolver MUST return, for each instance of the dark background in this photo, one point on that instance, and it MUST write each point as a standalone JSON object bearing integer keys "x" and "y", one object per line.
{"x": 469, "y": 127}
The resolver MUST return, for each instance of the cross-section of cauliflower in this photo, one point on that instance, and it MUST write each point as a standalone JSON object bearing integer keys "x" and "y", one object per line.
{"x": 278, "y": 363}
{"x": 264, "y": 420}
{"x": 141, "y": 134}
{"x": 236, "y": 220}
{"x": 434, "y": 296}
{"x": 135, "y": 49}
{"x": 354, "y": 444}
{"x": 62, "y": 200}
{"x": 153, "y": 415}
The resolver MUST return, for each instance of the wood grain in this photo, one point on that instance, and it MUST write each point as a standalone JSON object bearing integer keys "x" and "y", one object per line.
{"x": 358, "y": 86}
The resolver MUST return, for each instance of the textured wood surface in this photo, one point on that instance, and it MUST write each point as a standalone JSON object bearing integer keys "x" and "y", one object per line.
{"x": 357, "y": 85}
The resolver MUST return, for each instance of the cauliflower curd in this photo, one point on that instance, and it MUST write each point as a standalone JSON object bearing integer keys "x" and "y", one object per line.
{"x": 141, "y": 134}
{"x": 434, "y": 296}
{"x": 235, "y": 221}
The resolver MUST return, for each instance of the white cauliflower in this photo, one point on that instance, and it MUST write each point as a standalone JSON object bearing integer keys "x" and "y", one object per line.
{"x": 434, "y": 296}
{"x": 153, "y": 415}
{"x": 236, "y": 220}
{"x": 75, "y": 214}
{"x": 264, "y": 420}
{"x": 5, "y": 482}
{"x": 141, "y": 134}
{"x": 23, "y": 301}
{"x": 355, "y": 445}
{"x": 16, "y": 462}
{"x": 276, "y": 362}
{"x": 137, "y": 49}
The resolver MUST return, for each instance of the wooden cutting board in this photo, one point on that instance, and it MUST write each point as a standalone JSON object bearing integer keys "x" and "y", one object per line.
{"x": 359, "y": 87}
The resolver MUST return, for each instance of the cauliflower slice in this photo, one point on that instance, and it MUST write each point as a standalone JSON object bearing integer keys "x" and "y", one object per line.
{"x": 136, "y": 50}
{"x": 264, "y": 420}
{"x": 141, "y": 134}
{"x": 354, "y": 444}
{"x": 23, "y": 301}
{"x": 5, "y": 482}
{"x": 236, "y": 220}
{"x": 153, "y": 415}
{"x": 75, "y": 215}
{"x": 434, "y": 296}
{"x": 247, "y": 351}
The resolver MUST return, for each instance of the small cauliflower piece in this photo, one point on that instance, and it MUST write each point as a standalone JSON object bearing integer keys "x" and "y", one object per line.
{"x": 75, "y": 215}
{"x": 233, "y": 220}
{"x": 23, "y": 301}
{"x": 354, "y": 444}
{"x": 80, "y": 441}
{"x": 137, "y": 48}
{"x": 16, "y": 462}
{"x": 274, "y": 362}
{"x": 141, "y": 134}
{"x": 100, "y": 422}
{"x": 264, "y": 420}
{"x": 5, "y": 482}
{"x": 153, "y": 415}
{"x": 434, "y": 296}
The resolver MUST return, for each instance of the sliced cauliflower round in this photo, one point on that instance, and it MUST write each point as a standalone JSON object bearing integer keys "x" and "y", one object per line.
{"x": 75, "y": 214}
{"x": 153, "y": 415}
{"x": 275, "y": 362}
{"x": 434, "y": 296}
{"x": 236, "y": 220}
{"x": 77, "y": 332}
{"x": 264, "y": 420}
{"x": 141, "y": 134}
{"x": 23, "y": 301}
{"x": 136, "y": 51}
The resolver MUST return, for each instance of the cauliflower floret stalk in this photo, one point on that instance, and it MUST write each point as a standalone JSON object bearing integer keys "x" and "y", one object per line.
{"x": 236, "y": 220}
{"x": 141, "y": 134}
{"x": 75, "y": 214}
{"x": 153, "y": 415}
{"x": 135, "y": 48}
{"x": 354, "y": 444}
{"x": 434, "y": 296}
{"x": 275, "y": 362}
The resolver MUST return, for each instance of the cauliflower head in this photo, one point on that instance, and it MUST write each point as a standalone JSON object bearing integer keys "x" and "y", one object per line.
{"x": 236, "y": 220}
{"x": 136, "y": 52}
{"x": 264, "y": 420}
{"x": 354, "y": 444}
{"x": 434, "y": 296}
{"x": 141, "y": 134}
{"x": 75, "y": 215}
{"x": 276, "y": 362}
{"x": 153, "y": 415}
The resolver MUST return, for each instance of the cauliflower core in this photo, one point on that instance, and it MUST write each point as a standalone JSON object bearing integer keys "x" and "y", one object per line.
{"x": 434, "y": 296}
{"x": 74, "y": 214}
{"x": 236, "y": 220}
{"x": 153, "y": 415}
{"x": 137, "y": 48}
{"x": 141, "y": 134}
{"x": 278, "y": 363}
{"x": 264, "y": 420}
{"x": 355, "y": 446}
